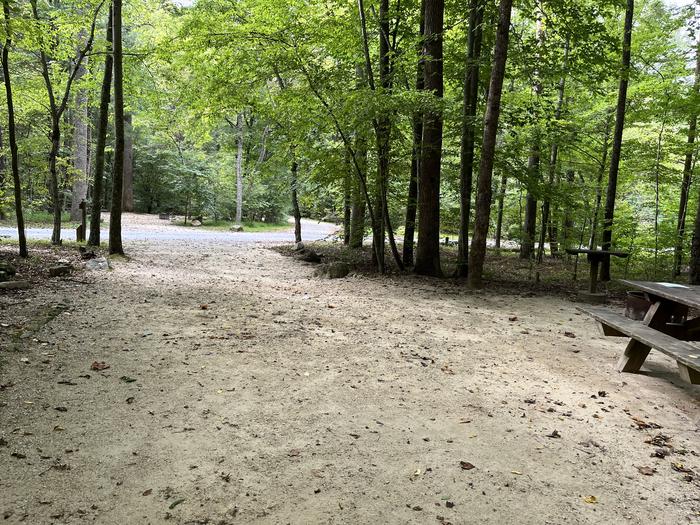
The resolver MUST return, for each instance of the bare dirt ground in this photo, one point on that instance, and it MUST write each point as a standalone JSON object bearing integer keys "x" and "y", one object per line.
{"x": 241, "y": 389}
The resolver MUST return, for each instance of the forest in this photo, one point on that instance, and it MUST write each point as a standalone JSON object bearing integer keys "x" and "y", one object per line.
{"x": 545, "y": 124}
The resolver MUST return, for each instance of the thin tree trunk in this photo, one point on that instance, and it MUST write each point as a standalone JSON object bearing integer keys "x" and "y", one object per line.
{"x": 488, "y": 148}
{"x": 466, "y": 165}
{"x": 11, "y": 131}
{"x": 80, "y": 148}
{"x": 527, "y": 243}
{"x": 593, "y": 244}
{"x": 239, "y": 168}
{"x": 499, "y": 217}
{"x": 568, "y": 225}
{"x": 347, "y": 203}
{"x": 687, "y": 167}
{"x": 295, "y": 202}
{"x": 417, "y": 125}
{"x": 103, "y": 122}
{"x": 357, "y": 222}
{"x": 617, "y": 140}
{"x": 428, "y": 253}
{"x": 128, "y": 181}
{"x": 553, "y": 156}
{"x": 115, "y": 219}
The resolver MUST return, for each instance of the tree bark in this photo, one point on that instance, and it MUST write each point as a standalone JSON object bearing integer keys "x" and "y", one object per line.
{"x": 488, "y": 148}
{"x": 687, "y": 167}
{"x": 11, "y": 131}
{"x": 295, "y": 202}
{"x": 466, "y": 168}
{"x": 417, "y": 125}
{"x": 593, "y": 244}
{"x": 103, "y": 122}
{"x": 347, "y": 202}
{"x": 115, "y": 218}
{"x": 428, "y": 253}
{"x": 128, "y": 181}
{"x": 617, "y": 140}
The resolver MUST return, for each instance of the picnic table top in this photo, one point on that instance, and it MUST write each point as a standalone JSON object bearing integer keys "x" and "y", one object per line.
{"x": 587, "y": 251}
{"x": 685, "y": 294}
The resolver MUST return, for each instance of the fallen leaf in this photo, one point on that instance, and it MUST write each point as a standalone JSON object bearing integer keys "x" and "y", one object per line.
{"x": 294, "y": 453}
{"x": 147, "y": 492}
{"x": 554, "y": 434}
{"x": 646, "y": 471}
{"x": 465, "y": 465}
{"x": 204, "y": 307}
{"x": 99, "y": 365}
{"x": 570, "y": 334}
{"x": 590, "y": 499}
{"x": 127, "y": 379}
{"x": 679, "y": 467}
{"x": 516, "y": 472}
{"x": 176, "y": 503}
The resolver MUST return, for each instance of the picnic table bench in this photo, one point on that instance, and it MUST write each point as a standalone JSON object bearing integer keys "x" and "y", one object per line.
{"x": 595, "y": 257}
{"x": 665, "y": 327}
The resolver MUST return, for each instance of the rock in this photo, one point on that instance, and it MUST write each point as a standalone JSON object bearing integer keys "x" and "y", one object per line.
{"x": 7, "y": 268}
{"x": 99, "y": 263}
{"x": 236, "y": 228}
{"x": 309, "y": 256}
{"x": 60, "y": 270}
{"x": 15, "y": 285}
{"x": 334, "y": 270}
{"x": 299, "y": 247}
{"x": 196, "y": 223}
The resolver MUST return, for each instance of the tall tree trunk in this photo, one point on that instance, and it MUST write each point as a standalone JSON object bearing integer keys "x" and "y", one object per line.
{"x": 295, "y": 202}
{"x": 687, "y": 166}
{"x": 499, "y": 217}
{"x": 553, "y": 156}
{"x": 466, "y": 165}
{"x": 527, "y": 243}
{"x": 347, "y": 202}
{"x": 239, "y": 168}
{"x": 11, "y": 131}
{"x": 357, "y": 222}
{"x": 115, "y": 219}
{"x": 428, "y": 253}
{"x": 53, "y": 183}
{"x": 617, "y": 140}
{"x": 80, "y": 149}
{"x": 417, "y": 125}
{"x": 568, "y": 225}
{"x": 103, "y": 122}
{"x": 128, "y": 181}
{"x": 488, "y": 148}
{"x": 599, "y": 182}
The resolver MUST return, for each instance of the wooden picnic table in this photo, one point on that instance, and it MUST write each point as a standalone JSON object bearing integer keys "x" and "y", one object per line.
{"x": 667, "y": 327}
{"x": 595, "y": 257}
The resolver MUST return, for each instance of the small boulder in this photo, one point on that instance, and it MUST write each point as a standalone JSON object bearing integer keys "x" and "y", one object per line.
{"x": 196, "y": 223}
{"x": 236, "y": 228}
{"x": 99, "y": 263}
{"x": 7, "y": 268}
{"x": 60, "y": 270}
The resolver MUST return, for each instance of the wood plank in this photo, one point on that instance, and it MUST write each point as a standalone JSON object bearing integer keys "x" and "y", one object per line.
{"x": 687, "y": 295}
{"x": 684, "y": 352}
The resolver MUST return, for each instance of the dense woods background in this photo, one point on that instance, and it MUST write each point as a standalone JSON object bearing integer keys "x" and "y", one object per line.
{"x": 400, "y": 119}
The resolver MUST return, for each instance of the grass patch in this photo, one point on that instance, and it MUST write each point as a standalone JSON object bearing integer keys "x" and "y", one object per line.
{"x": 38, "y": 219}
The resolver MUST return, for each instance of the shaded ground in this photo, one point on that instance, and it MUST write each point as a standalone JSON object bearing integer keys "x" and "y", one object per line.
{"x": 241, "y": 389}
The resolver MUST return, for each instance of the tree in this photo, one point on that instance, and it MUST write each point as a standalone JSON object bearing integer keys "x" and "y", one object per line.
{"x": 57, "y": 106}
{"x": 617, "y": 139}
{"x": 428, "y": 253}
{"x": 103, "y": 122}
{"x": 488, "y": 148}
{"x": 687, "y": 173}
{"x": 12, "y": 130}
{"x": 466, "y": 167}
{"x": 115, "y": 217}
